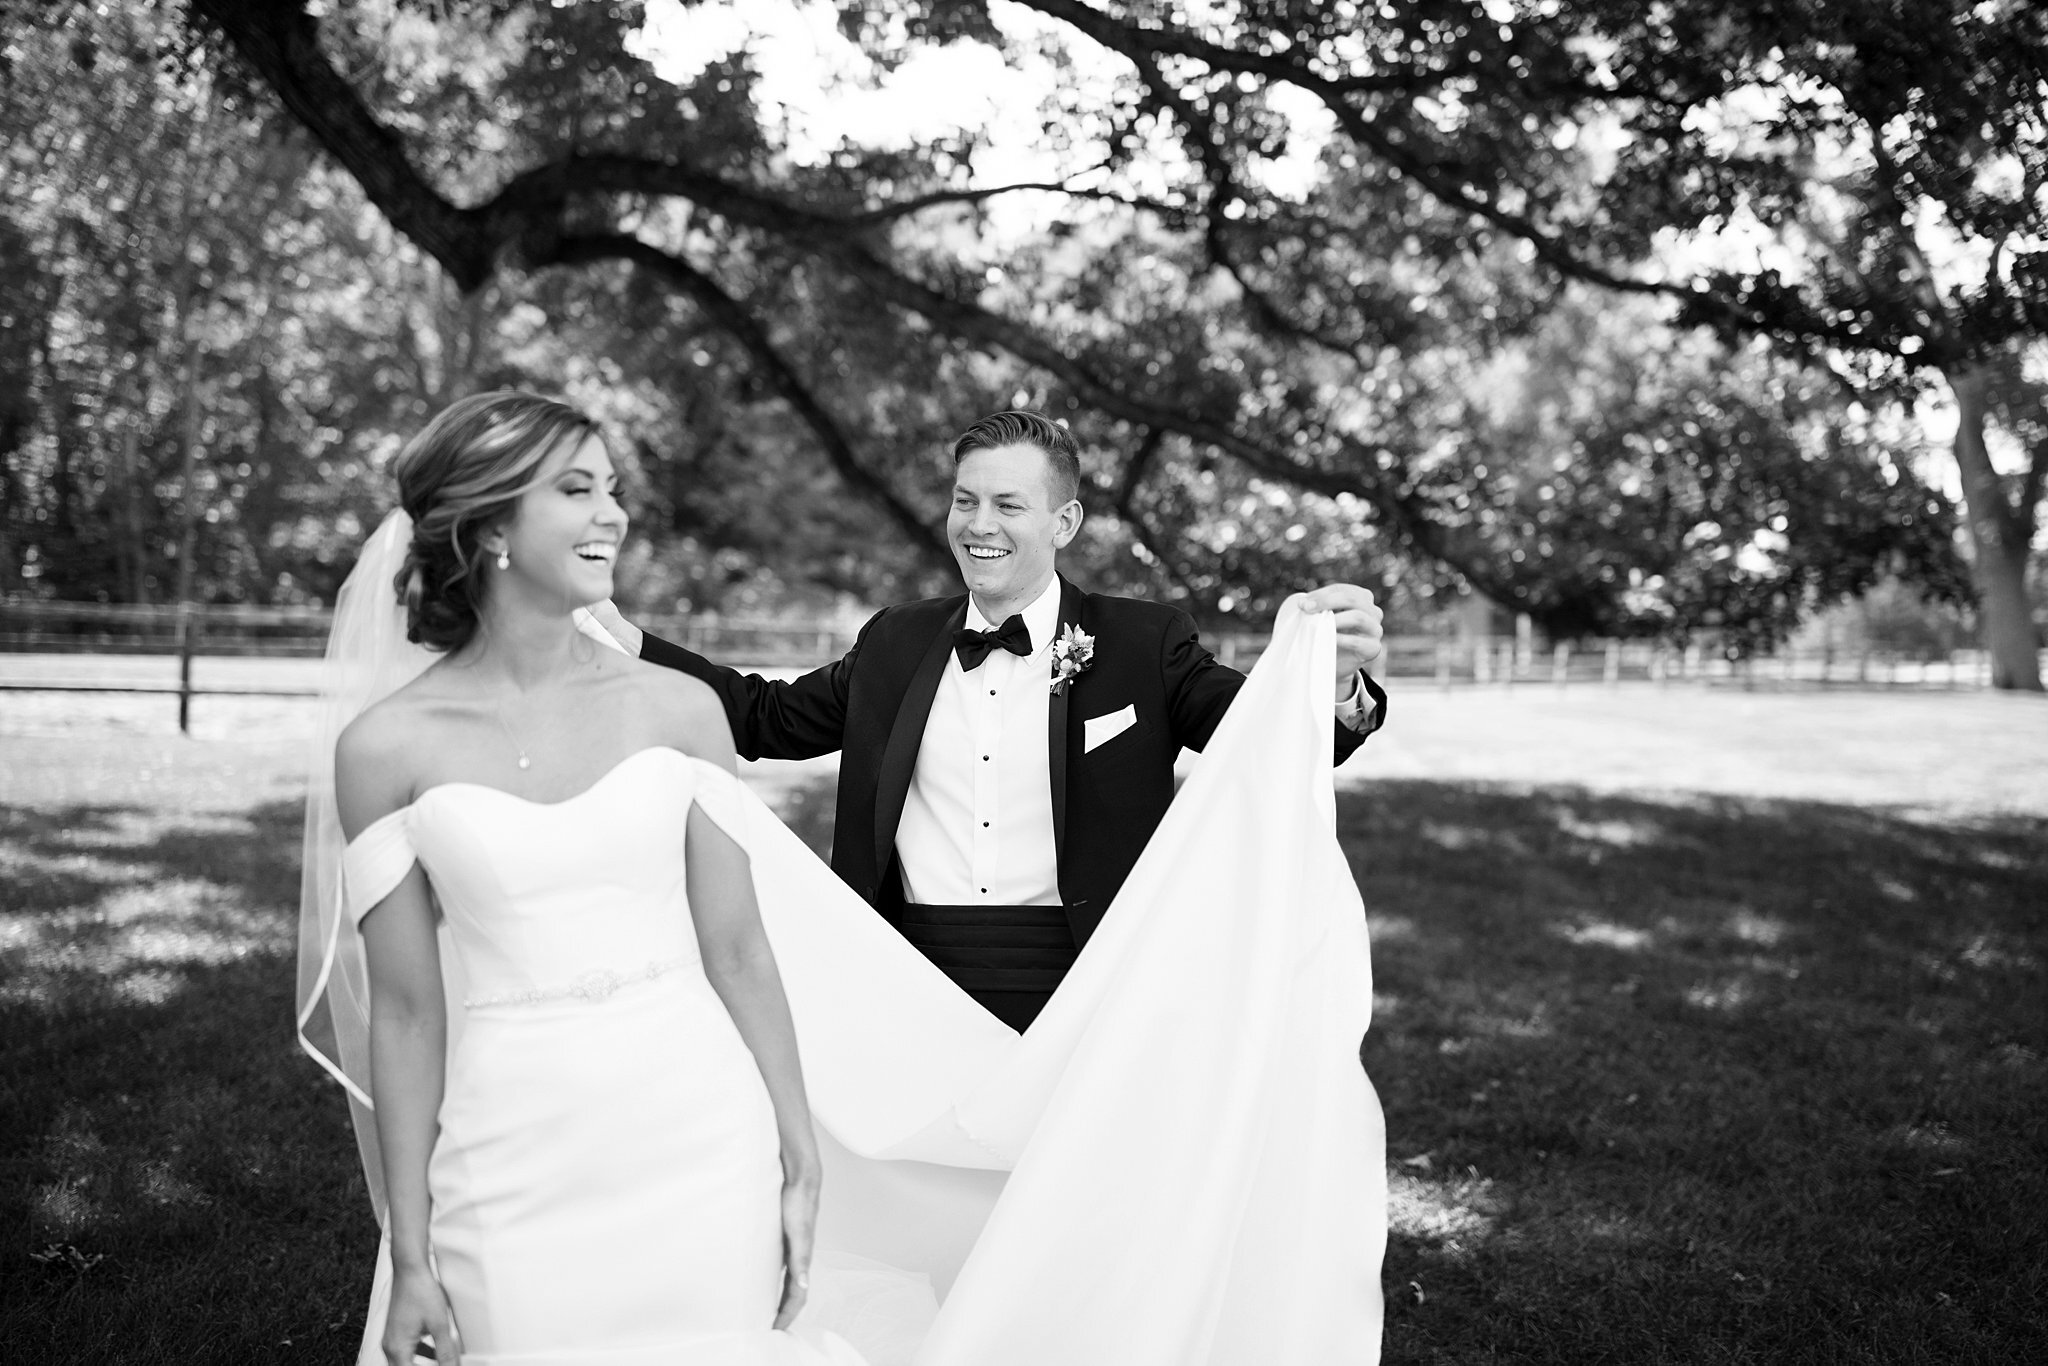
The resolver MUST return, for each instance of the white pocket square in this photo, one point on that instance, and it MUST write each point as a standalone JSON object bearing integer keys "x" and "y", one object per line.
{"x": 1097, "y": 729}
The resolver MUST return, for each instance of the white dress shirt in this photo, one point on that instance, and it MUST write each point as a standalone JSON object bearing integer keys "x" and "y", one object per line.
{"x": 977, "y": 822}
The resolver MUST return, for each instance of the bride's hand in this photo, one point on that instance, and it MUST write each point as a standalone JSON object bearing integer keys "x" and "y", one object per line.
{"x": 419, "y": 1309}
{"x": 799, "y": 1222}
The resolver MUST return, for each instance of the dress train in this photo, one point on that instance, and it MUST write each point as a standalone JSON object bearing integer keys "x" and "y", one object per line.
{"x": 1180, "y": 1164}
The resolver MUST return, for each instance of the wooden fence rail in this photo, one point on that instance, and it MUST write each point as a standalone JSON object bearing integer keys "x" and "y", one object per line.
{"x": 301, "y": 632}
{"x": 53, "y": 629}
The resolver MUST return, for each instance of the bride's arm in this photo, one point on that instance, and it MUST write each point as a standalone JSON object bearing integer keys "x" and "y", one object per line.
{"x": 408, "y": 1031}
{"x": 742, "y": 970}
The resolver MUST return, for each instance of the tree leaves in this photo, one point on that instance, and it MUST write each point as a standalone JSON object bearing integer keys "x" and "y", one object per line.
{"x": 1218, "y": 333}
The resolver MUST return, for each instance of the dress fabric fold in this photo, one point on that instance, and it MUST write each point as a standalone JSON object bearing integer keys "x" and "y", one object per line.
{"x": 1181, "y": 1163}
{"x": 1195, "y": 1158}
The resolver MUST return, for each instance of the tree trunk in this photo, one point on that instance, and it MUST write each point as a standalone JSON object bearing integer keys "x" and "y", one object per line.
{"x": 60, "y": 563}
{"x": 14, "y": 431}
{"x": 1999, "y": 538}
{"x": 130, "y": 541}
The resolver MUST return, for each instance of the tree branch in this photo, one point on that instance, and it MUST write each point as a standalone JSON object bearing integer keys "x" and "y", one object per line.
{"x": 1140, "y": 43}
{"x": 1125, "y": 507}
{"x": 281, "y": 42}
{"x": 2031, "y": 484}
{"x": 1198, "y": 127}
{"x": 1390, "y": 496}
{"x": 887, "y": 213}
{"x": 774, "y": 369}
{"x": 1136, "y": 468}
{"x": 971, "y": 322}
{"x": 2034, "y": 480}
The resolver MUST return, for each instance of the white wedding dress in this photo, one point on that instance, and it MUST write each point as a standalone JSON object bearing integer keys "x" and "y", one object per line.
{"x": 605, "y": 1183}
{"x": 1180, "y": 1164}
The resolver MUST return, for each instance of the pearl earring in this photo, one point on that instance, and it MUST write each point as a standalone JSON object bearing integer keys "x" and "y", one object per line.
{"x": 504, "y": 559}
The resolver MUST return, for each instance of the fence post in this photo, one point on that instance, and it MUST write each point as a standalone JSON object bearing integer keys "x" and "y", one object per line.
{"x": 1611, "y": 671}
{"x": 187, "y": 629}
{"x": 1443, "y": 667}
{"x": 1560, "y": 664}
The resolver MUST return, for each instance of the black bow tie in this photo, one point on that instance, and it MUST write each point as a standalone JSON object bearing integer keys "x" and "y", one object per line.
{"x": 973, "y": 646}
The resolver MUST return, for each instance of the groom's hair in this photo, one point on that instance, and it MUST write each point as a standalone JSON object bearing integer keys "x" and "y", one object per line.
{"x": 1023, "y": 427}
{"x": 460, "y": 479}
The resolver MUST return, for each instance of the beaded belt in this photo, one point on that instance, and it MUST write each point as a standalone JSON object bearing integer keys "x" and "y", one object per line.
{"x": 595, "y": 985}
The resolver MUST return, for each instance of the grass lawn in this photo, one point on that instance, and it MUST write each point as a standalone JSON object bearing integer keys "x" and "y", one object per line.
{"x": 1673, "y": 1072}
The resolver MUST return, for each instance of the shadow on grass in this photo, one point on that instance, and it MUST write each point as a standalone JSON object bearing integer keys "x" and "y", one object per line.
{"x": 1700, "y": 1079}
{"x": 1705, "y": 1079}
{"x": 1665, "y": 1081}
{"x": 177, "y": 1183}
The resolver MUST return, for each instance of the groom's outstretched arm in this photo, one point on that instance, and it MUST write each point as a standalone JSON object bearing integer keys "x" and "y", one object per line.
{"x": 1200, "y": 688}
{"x": 798, "y": 718}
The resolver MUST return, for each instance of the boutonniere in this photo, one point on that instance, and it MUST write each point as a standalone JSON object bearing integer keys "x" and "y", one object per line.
{"x": 1072, "y": 652}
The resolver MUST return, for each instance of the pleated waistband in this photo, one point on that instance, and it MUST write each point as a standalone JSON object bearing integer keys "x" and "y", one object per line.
{"x": 993, "y": 948}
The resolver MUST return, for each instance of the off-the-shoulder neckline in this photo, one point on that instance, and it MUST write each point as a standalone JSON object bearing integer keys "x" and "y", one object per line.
{"x": 577, "y": 796}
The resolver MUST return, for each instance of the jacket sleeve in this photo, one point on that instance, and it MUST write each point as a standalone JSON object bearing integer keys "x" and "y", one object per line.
{"x": 1200, "y": 688}
{"x": 798, "y": 718}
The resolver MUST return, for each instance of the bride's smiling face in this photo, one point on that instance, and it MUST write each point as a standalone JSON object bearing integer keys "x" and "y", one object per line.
{"x": 564, "y": 535}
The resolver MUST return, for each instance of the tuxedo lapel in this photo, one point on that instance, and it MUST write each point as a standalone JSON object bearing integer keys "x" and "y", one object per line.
{"x": 899, "y": 757}
{"x": 1056, "y": 737}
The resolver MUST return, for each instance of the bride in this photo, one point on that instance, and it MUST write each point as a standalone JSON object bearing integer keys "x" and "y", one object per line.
{"x": 619, "y": 1153}
{"x": 574, "y": 1070}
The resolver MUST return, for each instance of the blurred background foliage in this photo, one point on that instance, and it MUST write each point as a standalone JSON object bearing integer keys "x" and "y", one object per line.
{"x": 1627, "y": 318}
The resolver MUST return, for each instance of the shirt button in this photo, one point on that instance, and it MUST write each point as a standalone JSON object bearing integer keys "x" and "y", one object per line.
{"x": 984, "y": 825}
{"x": 984, "y": 891}
{"x": 984, "y": 758}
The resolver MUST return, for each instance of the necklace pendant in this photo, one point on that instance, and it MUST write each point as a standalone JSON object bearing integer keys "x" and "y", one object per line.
{"x": 525, "y": 762}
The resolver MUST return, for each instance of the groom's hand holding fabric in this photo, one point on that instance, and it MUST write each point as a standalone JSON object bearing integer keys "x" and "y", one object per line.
{"x": 1359, "y": 640}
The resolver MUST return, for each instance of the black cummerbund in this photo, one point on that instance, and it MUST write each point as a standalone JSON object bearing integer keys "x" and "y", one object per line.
{"x": 993, "y": 948}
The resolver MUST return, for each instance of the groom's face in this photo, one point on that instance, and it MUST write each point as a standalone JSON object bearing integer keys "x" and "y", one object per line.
{"x": 1004, "y": 527}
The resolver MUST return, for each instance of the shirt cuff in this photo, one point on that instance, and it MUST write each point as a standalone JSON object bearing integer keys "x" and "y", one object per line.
{"x": 1357, "y": 710}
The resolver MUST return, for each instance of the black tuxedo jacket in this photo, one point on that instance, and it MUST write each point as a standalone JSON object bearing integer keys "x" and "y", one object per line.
{"x": 873, "y": 703}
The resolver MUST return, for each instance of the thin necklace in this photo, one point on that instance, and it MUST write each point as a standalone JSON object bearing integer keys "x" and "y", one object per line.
{"x": 505, "y": 726}
{"x": 498, "y": 713}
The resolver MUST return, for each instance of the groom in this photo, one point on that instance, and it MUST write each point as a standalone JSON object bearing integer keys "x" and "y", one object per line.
{"x": 1006, "y": 753}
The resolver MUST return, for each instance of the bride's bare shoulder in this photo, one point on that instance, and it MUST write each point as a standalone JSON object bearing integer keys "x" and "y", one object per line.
{"x": 381, "y": 746}
{"x": 693, "y": 720}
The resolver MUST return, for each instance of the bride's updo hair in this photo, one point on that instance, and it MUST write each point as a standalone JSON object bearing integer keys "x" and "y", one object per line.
{"x": 458, "y": 480}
